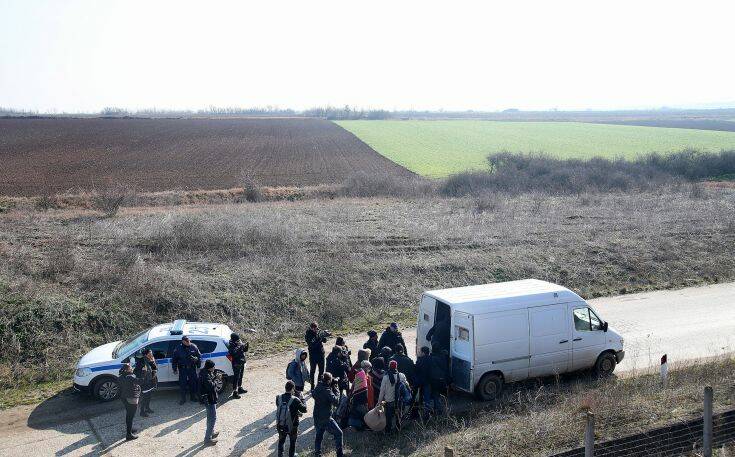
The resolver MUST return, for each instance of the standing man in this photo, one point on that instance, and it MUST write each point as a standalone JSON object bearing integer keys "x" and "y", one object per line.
{"x": 315, "y": 339}
{"x": 405, "y": 364}
{"x": 288, "y": 409}
{"x": 237, "y": 349}
{"x": 146, "y": 371}
{"x": 185, "y": 361}
{"x": 326, "y": 396}
{"x": 391, "y": 338}
{"x": 208, "y": 391}
{"x": 372, "y": 344}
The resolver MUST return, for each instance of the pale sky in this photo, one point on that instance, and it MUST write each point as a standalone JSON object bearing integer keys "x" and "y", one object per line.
{"x": 84, "y": 55}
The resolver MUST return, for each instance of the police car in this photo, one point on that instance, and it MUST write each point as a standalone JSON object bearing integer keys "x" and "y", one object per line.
{"x": 97, "y": 371}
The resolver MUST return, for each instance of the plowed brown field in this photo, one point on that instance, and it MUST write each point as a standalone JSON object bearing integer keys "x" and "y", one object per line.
{"x": 58, "y": 155}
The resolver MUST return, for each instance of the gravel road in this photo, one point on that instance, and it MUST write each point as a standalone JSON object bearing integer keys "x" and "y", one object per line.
{"x": 686, "y": 324}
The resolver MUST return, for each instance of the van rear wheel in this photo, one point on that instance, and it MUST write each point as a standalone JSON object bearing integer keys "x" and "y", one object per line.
{"x": 605, "y": 365}
{"x": 490, "y": 387}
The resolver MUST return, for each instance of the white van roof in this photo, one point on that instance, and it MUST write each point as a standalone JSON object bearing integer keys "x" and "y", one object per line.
{"x": 503, "y": 296}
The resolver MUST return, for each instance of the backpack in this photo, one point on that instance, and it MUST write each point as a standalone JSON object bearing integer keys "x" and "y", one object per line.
{"x": 284, "y": 421}
{"x": 403, "y": 393}
{"x": 288, "y": 369}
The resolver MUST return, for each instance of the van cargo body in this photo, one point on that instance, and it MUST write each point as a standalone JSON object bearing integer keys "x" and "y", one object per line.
{"x": 511, "y": 331}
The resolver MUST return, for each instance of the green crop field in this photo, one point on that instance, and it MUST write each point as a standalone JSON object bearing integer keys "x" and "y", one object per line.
{"x": 440, "y": 148}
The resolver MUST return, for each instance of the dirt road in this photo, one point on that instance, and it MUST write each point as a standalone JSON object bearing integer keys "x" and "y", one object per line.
{"x": 686, "y": 324}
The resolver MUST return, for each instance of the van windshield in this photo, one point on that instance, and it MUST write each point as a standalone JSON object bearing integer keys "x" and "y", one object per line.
{"x": 130, "y": 344}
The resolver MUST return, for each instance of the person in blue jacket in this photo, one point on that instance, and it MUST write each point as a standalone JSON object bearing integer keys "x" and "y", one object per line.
{"x": 297, "y": 371}
{"x": 185, "y": 362}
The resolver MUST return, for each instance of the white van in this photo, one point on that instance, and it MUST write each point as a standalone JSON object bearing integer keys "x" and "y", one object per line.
{"x": 511, "y": 331}
{"x": 97, "y": 371}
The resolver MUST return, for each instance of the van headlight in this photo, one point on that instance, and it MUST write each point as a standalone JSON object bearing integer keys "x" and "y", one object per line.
{"x": 82, "y": 372}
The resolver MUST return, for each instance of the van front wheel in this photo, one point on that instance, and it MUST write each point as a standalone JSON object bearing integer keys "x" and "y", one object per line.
{"x": 489, "y": 388}
{"x": 605, "y": 365}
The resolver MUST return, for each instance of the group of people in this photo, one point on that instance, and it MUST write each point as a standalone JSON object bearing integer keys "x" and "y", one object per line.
{"x": 201, "y": 385}
{"x": 383, "y": 378}
{"x": 344, "y": 393}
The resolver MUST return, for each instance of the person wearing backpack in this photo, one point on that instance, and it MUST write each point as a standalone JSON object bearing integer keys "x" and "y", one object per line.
{"x": 297, "y": 371}
{"x": 289, "y": 408}
{"x": 391, "y": 388}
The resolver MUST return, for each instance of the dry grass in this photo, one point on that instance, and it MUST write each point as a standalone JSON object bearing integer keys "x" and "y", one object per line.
{"x": 348, "y": 263}
{"x": 541, "y": 418}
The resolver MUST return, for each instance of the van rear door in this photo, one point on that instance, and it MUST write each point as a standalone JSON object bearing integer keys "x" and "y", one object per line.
{"x": 462, "y": 350}
{"x": 425, "y": 322}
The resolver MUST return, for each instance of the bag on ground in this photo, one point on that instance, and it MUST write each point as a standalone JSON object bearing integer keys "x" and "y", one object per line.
{"x": 375, "y": 419}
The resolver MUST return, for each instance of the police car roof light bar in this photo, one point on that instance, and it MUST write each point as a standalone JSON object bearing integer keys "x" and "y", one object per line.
{"x": 178, "y": 327}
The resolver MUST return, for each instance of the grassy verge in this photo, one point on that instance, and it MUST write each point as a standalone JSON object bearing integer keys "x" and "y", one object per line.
{"x": 70, "y": 280}
{"x": 30, "y": 394}
{"x": 540, "y": 418}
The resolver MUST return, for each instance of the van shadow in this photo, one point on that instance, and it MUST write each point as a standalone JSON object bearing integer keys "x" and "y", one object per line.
{"x": 69, "y": 412}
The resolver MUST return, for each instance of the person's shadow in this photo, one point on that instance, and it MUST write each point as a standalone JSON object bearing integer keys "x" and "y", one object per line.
{"x": 69, "y": 412}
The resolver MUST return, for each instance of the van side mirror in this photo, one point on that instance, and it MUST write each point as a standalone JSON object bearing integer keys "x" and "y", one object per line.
{"x": 604, "y": 326}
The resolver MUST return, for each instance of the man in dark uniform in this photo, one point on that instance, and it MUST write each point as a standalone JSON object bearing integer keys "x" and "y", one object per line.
{"x": 237, "y": 349}
{"x": 315, "y": 339}
{"x": 185, "y": 361}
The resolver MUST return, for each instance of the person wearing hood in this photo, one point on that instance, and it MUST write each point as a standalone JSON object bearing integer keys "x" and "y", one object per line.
{"x": 297, "y": 371}
{"x": 389, "y": 394}
{"x": 130, "y": 396}
{"x": 372, "y": 344}
{"x": 362, "y": 355}
{"x": 146, "y": 371}
{"x": 338, "y": 367}
{"x": 236, "y": 349}
{"x": 391, "y": 338}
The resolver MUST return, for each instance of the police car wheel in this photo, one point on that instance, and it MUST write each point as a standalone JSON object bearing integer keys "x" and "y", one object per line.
{"x": 106, "y": 389}
{"x": 221, "y": 381}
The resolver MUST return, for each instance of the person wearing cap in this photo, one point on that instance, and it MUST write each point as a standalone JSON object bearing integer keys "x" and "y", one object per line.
{"x": 185, "y": 362}
{"x": 236, "y": 349}
{"x": 130, "y": 396}
{"x": 372, "y": 344}
{"x": 389, "y": 394}
{"x": 208, "y": 391}
{"x": 391, "y": 338}
{"x": 146, "y": 371}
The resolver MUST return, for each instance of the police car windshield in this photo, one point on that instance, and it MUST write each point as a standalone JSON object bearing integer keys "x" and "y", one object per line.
{"x": 130, "y": 344}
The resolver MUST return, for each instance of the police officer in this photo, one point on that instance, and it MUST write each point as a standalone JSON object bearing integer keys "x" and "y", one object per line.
{"x": 237, "y": 349}
{"x": 185, "y": 361}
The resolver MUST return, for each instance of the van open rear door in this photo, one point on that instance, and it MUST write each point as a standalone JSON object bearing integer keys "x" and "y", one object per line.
{"x": 462, "y": 350}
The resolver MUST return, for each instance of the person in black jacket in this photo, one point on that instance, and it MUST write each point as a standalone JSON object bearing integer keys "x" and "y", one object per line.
{"x": 326, "y": 396}
{"x": 439, "y": 378}
{"x": 391, "y": 338}
{"x": 237, "y": 349}
{"x": 130, "y": 396}
{"x": 423, "y": 377}
{"x": 208, "y": 390}
{"x": 405, "y": 364}
{"x": 290, "y": 428}
{"x": 315, "y": 339}
{"x": 185, "y": 362}
{"x": 440, "y": 333}
{"x": 372, "y": 344}
{"x": 338, "y": 366}
{"x": 146, "y": 371}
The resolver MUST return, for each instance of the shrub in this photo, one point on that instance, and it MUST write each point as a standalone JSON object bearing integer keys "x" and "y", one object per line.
{"x": 60, "y": 260}
{"x": 251, "y": 191}
{"x": 363, "y": 184}
{"x": 111, "y": 198}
